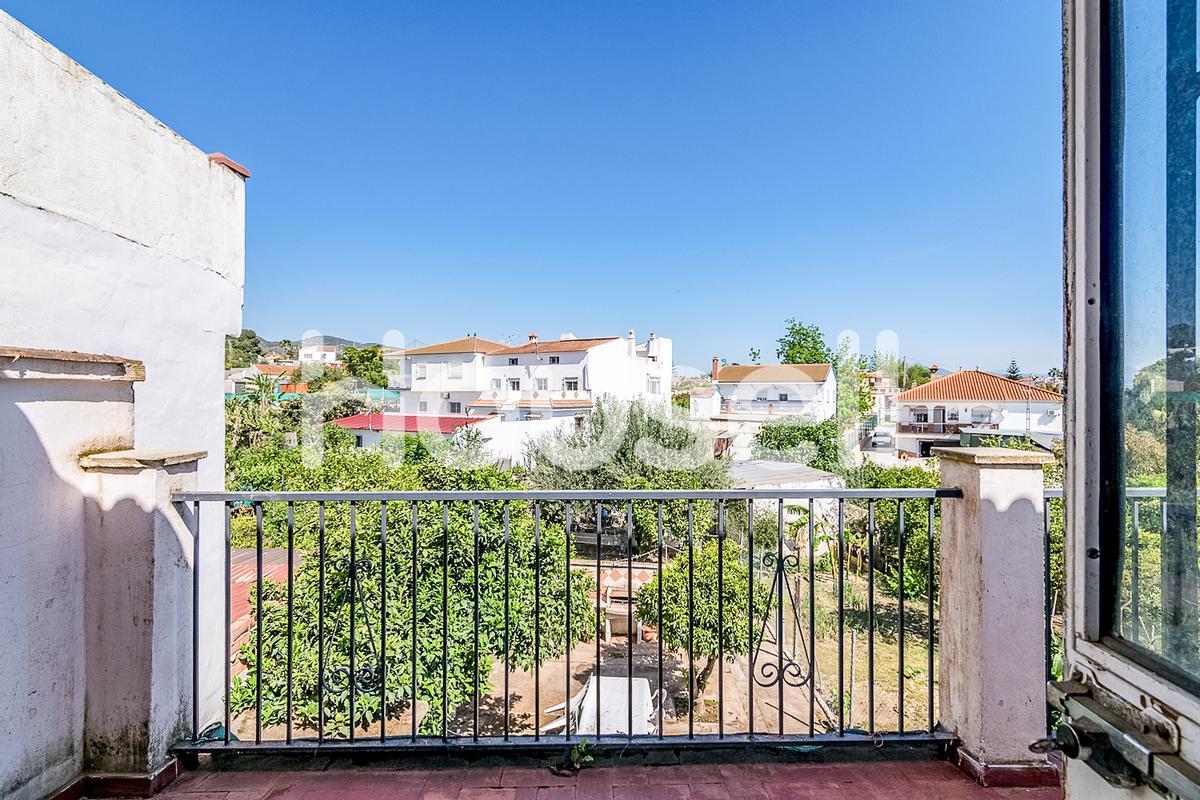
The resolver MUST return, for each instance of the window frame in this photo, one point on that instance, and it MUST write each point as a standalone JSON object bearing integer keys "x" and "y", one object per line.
{"x": 514, "y": 384}
{"x": 455, "y": 406}
{"x": 454, "y": 370}
{"x": 420, "y": 371}
{"x": 422, "y": 406}
{"x": 541, "y": 384}
{"x": 554, "y": 359}
{"x": 513, "y": 361}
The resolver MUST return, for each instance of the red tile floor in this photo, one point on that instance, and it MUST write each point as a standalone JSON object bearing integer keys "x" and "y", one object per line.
{"x": 875, "y": 780}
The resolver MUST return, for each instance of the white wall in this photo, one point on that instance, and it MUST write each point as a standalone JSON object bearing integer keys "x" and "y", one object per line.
{"x": 116, "y": 236}
{"x": 1042, "y": 417}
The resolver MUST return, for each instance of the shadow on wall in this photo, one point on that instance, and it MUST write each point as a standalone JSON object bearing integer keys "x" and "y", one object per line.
{"x": 77, "y": 589}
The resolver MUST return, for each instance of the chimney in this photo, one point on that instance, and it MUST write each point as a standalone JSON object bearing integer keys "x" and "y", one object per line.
{"x": 716, "y": 367}
{"x": 632, "y": 343}
{"x": 933, "y": 370}
{"x": 533, "y": 336}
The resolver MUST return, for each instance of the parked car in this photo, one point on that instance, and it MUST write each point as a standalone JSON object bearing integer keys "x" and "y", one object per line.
{"x": 882, "y": 439}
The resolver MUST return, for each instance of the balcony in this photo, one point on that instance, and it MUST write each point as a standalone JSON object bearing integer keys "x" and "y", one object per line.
{"x": 942, "y": 427}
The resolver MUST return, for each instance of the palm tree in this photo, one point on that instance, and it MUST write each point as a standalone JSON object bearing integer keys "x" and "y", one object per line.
{"x": 263, "y": 390}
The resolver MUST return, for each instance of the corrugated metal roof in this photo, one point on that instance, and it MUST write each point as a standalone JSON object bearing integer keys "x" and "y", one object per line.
{"x": 974, "y": 384}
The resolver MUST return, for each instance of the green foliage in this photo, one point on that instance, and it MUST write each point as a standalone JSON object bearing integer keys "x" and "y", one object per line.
{"x": 803, "y": 344}
{"x": 916, "y": 375}
{"x": 365, "y": 363}
{"x": 346, "y": 407}
{"x": 871, "y": 475}
{"x": 682, "y": 400}
{"x": 1013, "y": 373}
{"x": 818, "y": 444}
{"x": 242, "y": 350}
{"x": 854, "y": 400}
{"x": 632, "y": 446}
{"x": 438, "y": 539}
{"x": 755, "y": 355}
{"x": 711, "y": 637}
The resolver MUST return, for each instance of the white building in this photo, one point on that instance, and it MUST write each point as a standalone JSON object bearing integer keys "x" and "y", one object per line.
{"x": 774, "y": 390}
{"x": 318, "y": 354}
{"x": 975, "y": 403}
{"x": 535, "y": 380}
{"x": 122, "y": 265}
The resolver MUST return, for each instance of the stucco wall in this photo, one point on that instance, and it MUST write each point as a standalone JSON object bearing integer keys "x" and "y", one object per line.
{"x": 116, "y": 236}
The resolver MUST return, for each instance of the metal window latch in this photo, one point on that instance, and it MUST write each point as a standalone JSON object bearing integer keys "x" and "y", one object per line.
{"x": 1114, "y": 744}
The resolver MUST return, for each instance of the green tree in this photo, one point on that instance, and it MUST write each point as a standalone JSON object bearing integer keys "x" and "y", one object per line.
{"x": 632, "y": 446}
{"x": 365, "y": 363}
{"x": 446, "y": 554}
{"x": 242, "y": 350}
{"x": 713, "y": 635}
{"x": 854, "y": 400}
{"x": 755, "y": 355}
{"x": 1013, "y": 373}
{"x": 915, "y": 375}
{"x": 803, "y": 344}
{"x": 818, "y": 444}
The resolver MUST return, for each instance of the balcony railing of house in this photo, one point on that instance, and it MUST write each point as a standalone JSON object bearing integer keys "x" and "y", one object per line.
{"x": 941, "y": 427}
{"x": 395, "y": 620}
{"x": 769, "y": 407}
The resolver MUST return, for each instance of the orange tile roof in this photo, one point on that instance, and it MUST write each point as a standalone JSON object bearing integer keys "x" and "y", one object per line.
{"x": 471, "y": 344}
{"x": 773, "y": 373}
{"x": 974, "y": 384}
{"x": 555, "y": 346}
{"x": 275, "y": 370}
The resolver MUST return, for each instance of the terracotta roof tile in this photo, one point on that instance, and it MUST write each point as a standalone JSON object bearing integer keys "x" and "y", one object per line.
{"x": 974, "y": 384}
{"x": 773, "y": 373}
{"x": 471, "y": 344}
{"x": 555, "y": 346}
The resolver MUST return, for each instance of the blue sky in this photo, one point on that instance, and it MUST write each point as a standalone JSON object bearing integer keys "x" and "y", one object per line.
{"x": 703, "y": 170}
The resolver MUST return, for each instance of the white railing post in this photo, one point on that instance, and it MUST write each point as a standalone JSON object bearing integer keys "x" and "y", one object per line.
{"x": 992, "y": 685}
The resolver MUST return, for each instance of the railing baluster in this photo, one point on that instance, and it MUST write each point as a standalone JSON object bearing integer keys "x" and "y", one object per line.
{"x": 720, "y": 619}
{"x": 507, "y": 608}
{"x": 413, "y": 601}
{"x": 629, "y": 632}
{"x": 537, "y": 620}
{"x": 929, "y": 640}
{"x": 781, "y": 590}
{"x": 291, "y": 608}
{"x": 475, "y": 623}
{"x": 258, "y": 621}
{"x": 841, "y": 613}
{"x": 445, "y": 617}
{"x": 1134, "y": 574}
{"x": 383, "y": 569}
{"x": 871, "y": 616}
{"x": 750, "y": 612}
{"x": 658, "y": 621}
{"x": 567, "y": 645}
{"x": 691, "y": 618}
{"x": 900, "y": 615}
{"x": 599, "y": 622}
{"x": 353, "y": 579}
{"x": 812, "y": 621}
{"x": 195, "y": 620}
{"x": 320, "y": 621}
{"x": 227, "y": 655}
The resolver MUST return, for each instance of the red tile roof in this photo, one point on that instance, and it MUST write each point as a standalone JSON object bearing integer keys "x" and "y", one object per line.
{"x": 471, "y": 344}
{"x": 555, "y": 346}
{"x": 275, "y": 370}
{"x": 773, "y": 373}
{"x": 974, "y": 384}
{"x": 405, "y": 423}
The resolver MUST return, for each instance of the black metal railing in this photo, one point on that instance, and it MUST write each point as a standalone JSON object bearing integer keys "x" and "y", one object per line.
{"x": 436, "y": 619}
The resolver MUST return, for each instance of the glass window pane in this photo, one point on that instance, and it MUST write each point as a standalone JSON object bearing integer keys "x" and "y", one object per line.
{"x": 1152, "y": 257}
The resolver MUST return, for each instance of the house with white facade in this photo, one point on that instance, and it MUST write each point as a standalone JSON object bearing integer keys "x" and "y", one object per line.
{"x": 318, "y": 354}
{"x": 744, "y": 396}
{"x": 974, "y": 403}
{"x": 539, "y": 379}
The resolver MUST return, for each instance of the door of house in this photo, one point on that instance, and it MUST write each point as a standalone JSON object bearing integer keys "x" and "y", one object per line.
{"x": 1130, "y": 694}
{"x": 939, "y": 419}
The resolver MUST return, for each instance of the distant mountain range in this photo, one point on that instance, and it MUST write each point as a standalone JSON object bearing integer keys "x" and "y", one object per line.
{"x": 267, "y": 344}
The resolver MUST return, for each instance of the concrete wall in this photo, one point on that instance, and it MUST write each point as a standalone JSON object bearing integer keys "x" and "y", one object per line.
{"x": 116, "y": 236}
{"x": 46, "y": 424}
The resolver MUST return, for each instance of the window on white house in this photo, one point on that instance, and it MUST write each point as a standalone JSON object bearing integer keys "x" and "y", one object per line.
{"x": 783, "y": 398}
{"x": 358, "y": 440}
{"x": 571, "y": 384}
{"x": 455, "y": 370}
{"x": 981, "y": 416}
{"x": 422, "y": 406}
{"x": 512, "y": 362}
{"x": 419, "y": 371}
{"x": 541, "y": 384}
{"x": 497, "y": 384}
{"x": 455, "y": 407}
{"x": 553, "y": 359}
{"x": 514, "y": 384}
{"x": 952, "y": 415}
{"x": 921, "y": 415}
{"x": 652, "y": 385}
